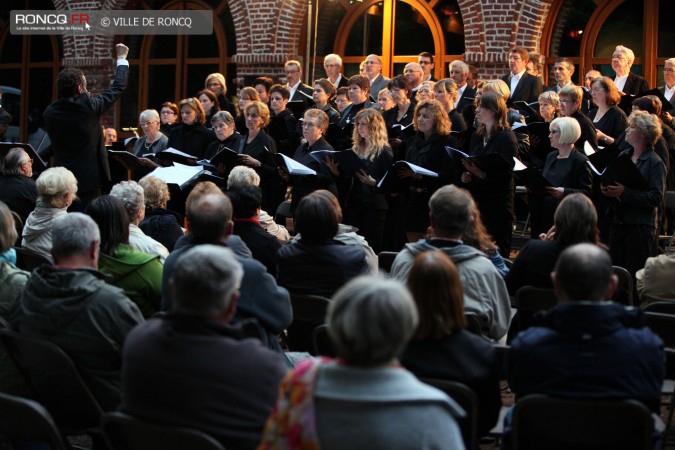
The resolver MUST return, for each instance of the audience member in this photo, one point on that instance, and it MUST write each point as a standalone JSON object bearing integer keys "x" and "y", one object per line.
{"x": 653, "y": 281}
{"x": 139, "y": 274}
{"x": 586, "y": 348}
{"x": 316, "y": 263}
{"x": 365, "y": 400}
{"x": 485, "y": 294}
{"x": 72, "y": 306}
{"x": 17, "y": 188}
{"x": 56, "y": 189}
{"x": 209, "y": 215}
{"x": 441, "y": 347}
{"x": 159, "y": 223}
{"x": 191, "y": 368}
{"x": 133, "y": 198}
{"x": 245, "y": 212}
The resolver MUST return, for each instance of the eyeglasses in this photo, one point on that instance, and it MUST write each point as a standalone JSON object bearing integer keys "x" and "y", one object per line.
{"x": 669, "y": 70}
{"x": 168, "y": 112}
{"x": 554, "y": 131}
{"x": 424, "y": 63}
{"x": 373, "y": 62}
{"x": 514, "y": 58}
{"x": 597, "y": 90}
{"x": 619, "y": 57}
{"x": 146, "y": 124}
{"x": 291, "y": 72}
{"x": 331, "y": 65}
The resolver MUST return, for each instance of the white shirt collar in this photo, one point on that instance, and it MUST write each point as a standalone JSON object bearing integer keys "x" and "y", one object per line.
{"x": 620, "y": 82}
{"x": 668, "y": 92}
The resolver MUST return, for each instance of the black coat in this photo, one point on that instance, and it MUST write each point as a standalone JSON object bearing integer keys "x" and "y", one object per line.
{"x": 635, "y": 84}
{"x": 192, "y": 139}
{"x": 528, "y": 89}
{"x": 263, "y": 245}
{"x": 74, "y": 127}
{"x": 19, "y": 193}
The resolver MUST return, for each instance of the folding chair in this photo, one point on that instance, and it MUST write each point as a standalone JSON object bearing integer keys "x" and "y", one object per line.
{"x": 665, "y": 240}
{"x": 661, "y": 307}
{"x": 321, "y": 343}
{"x": 123, "y": 432}
{"x": 29, "y": 260}
{"x": 23, "y": 420}
{"x": 467, "y": 399}
{"x": 309, "y": 311}
{"x": 57, "y": 383}
{"x": 624, "y": 289}
{"x": 543, "y": 422}
{"x": 385, "y": 260}
{"x": 663, "y": 325}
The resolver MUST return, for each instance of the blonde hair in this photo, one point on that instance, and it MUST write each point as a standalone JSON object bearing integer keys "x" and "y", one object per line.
{"x": 499, "y": 87}
{"x": 262, "y": 110}
{"x": 53, "y": 184}
{"x": 156, "y": 192}
{"x": 371, "y": 148}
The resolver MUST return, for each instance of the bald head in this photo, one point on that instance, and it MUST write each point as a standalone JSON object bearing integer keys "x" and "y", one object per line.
{"x": 584, "y": 273}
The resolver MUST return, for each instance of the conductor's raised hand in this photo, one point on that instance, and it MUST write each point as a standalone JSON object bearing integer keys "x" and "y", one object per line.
{"x": 122, "y": 51}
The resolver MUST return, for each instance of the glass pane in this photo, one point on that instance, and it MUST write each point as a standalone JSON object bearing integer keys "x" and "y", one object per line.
{"x": 666, "y": 31}
{"x": 11, "y": 100}
{"x": 365, "y": 37}
{"x": 162, "y": 87}
{"x": 623, "y": 26}
{"x": 41, "y": 48}
{"x": 572, "y": 20}
{"x": 409, "y": 22}
{"x": 350, "y": 69}
{"x": 449, "y": 16}
{"x": 203, "y": 46}
{"x": 128, "y": 103}
{"x": 330, "y": 17}
{"x": 163, "y": 46}
{"x": 11, "y": 49}
{"x": 196, "y": 75}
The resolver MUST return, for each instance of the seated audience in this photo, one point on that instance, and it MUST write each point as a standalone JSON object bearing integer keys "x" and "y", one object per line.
{"x": 139, "y": 274}
{"x": 575, "y": 221}
{"x": 132, "y": 196}
{"x": 364, "y": 399}
{"x": 585, "y": 347}
{"x": 209, "y": 215}
{"x": 654, "y": 283}
{"x": 245, "y": 211}
{"x": 12, "y": 282}
{"x": 56, "y": 189}
{"x": 17, "y": 188}
{"x": 72, "y": 306}
{"x": 159, "y": 223}
{"x": 316, "y": 263}
{"x": 191, "y": 368}
{"x": 245, "y": 176}
{"x": 485, "y": 294}
{"x": 441, "y": 347}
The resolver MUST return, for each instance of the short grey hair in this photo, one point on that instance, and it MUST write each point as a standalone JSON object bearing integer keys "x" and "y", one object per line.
{"x": 151, "y": 114}
{"x": 222, "y": 116}
{"x": 53, "y": 183}
{"x": 204, "y": 280}
{"x": 670, "y": 61}
{"x": 451, "y": 208}
{"x": 333, "y": 56}
{"x": 461, "y": 64}
{"x": 570, "y": 130}
{"x": 370, "y": 320}
{"x": 73, "y": 234}
{"x": 11, "y": 165}
{"x": 626, "y": 51}
{"x": 242, "y": 176}
{"x": 132, "y": 196}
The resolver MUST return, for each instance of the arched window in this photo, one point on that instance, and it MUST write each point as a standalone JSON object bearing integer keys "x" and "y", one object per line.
{"x": 396, "y": 30}
{"x": 29, "y": 64}
{"x": 170, "y": 68}
{"x": 587, "y": 31}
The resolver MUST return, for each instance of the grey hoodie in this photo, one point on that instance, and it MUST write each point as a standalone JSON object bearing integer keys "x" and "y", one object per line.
{"x": 37, "y": 233}
{"x": 485, "y": 294}
{"x": 87, "y": 318}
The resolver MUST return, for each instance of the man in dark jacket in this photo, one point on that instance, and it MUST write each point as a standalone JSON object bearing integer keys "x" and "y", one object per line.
{"x": 209, "y": 218}
{"x": 523, "y": 86}
{"x": 74, "y": 127}
{"x": 586, "y": 347}
{"x": 191, "y": 368}
{"x": 17, "y": 188}
{"x": 72, "y": 306}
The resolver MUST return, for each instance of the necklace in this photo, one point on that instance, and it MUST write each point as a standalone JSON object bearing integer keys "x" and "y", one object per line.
{"x": 147, "y": 144}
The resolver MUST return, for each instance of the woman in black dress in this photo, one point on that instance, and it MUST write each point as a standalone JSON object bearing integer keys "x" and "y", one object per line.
{"x": 191, "y": 136}
{"x": 567, "y": 171}
{"x": 257, "y": 149}
{"x": 283, "y": 124}
{"x": 609, "y": 120}
{"x": 399, "y": 119}
{"x": 492, "y": 184}
{"x": 426, "y": 149}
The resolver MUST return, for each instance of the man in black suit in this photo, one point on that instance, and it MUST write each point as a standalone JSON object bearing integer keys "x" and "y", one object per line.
{"x": 668, "y": 89}
{"x": 459, "y": 71}
{"x": 74, "y": 127}
{"x": 332, "y": 64}
{"x": 563, "y": 69}
{"x": 298, "y": 90}
{"x": 626, "y": 81}
{"x": 524, "y": 87}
